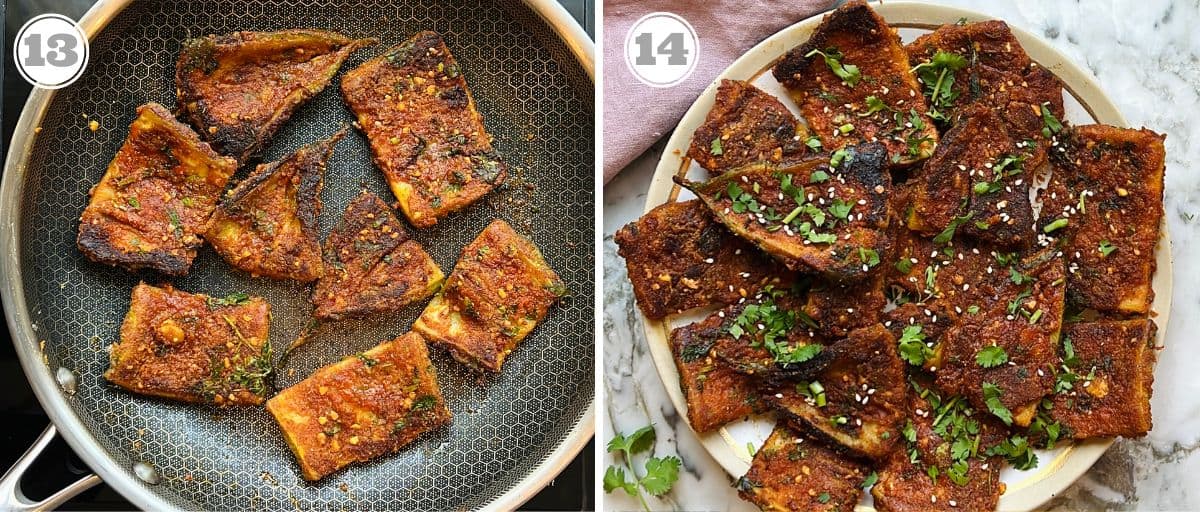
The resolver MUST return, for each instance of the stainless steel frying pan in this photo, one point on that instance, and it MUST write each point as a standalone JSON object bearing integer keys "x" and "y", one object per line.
{"x": 530, "y": 68}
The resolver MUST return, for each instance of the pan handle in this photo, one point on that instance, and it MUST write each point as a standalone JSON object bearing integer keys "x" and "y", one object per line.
{"x": 13, "y": 498}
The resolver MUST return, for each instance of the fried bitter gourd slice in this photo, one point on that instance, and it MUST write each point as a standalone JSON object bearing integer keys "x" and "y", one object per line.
{"x": 371, "y": 265}
{"x": 793, "y": 472}
{"x": 963, "y": 65}
{"x": 838, "y": 308}
{"x": 425, "y": 133}
{"x": 976, "y": 182}
{"x": 193, "y": 347}
{"x": 767, "y": 336}
{"x": 267, "y": 225}
{"x": 1104, "y": 208}
{"x": 853, "y": 84}
{"x": 1002, "y": 357}
{"x": 859, "y": 401}
{"x": 716, "y": 394}
{"x": 745, "y": 125}
{"x": 238, "y": 89}
{"x": 679, "y": 257}
{"x": 1112, "y": 367}
{"x": 362, "y": 407}
{"x": 500, "y": 289}
{"x": 944, "y": 464}
{"x": 155, "y": 198}
{"x": 829, "y": 217}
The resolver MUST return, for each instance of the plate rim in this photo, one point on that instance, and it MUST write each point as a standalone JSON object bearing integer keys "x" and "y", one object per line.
{"x": 1051, "y": 477}
{"x": 54, "y": 403}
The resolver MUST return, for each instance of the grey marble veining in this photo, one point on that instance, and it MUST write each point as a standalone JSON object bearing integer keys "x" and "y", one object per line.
{"x": 1145, "y": 54}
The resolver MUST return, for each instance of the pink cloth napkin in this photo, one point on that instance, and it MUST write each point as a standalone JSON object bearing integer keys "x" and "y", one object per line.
{"x": 637, "y": 115}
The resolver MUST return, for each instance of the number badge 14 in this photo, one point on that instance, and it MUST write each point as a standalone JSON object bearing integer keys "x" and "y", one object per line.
{"x": 51, "y": 51}
{"x": 661, "y": 49}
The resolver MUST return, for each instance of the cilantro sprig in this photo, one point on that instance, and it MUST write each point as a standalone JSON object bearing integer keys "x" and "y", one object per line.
{"x": 849, "y": 73}
{"x": 659, "y": 475}
{"x": 937, "y": 75}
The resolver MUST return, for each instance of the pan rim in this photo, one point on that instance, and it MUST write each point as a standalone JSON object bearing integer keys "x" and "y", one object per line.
{"x": 24, "y": 338}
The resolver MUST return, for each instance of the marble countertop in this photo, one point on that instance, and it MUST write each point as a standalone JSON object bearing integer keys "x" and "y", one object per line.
{"x": 1146, "y": 55}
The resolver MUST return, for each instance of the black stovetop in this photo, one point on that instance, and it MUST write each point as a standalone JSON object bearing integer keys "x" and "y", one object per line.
{"x": 22, "y": 415}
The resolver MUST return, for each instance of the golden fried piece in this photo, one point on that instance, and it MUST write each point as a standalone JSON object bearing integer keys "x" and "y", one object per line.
{"x": 371, "y": 265}
{"x": 791, "y": 472}
{"x": 838, "y": 308}
{"x": 500, "y": 289}
{"x": 977, "y": 181}
{"x": 944, "y": 438}
{"x": 859, "y": 401}
{"x": 267, "y": 225}
{"x": 680, "y": 257}
{"x": 808, "y": 214}
{"x": 716, "y": 394}
{"x": 425, "y": 133}
{"x": 1113, "y": 369}
{"x": 1002, "y": 354}
{"x": 745, "y": 125}
{"x": 362, "y": 407}
{"x": 1104, "y": 205}
{"x": 193, "y": 347}
{"x": 155, "y": 198}
{"x": 238, "y": 89}
{"x": 853, "y": 84}
{"x": 989, "y": 69}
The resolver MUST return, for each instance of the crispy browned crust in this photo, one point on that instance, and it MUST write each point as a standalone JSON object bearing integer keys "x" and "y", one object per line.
{"x": 679, "y": 257}
{"x": 500, "y": 289}
{"x": 839, "y": 308}
{"x": 238, "y": 89}
{"x": 186, "y": 347}
{"x": 999, "y": 75}
{"x": 969, "y": 156}
{"x": 1119, "y": 356}
{"x": 861, "y": 181}
{"x": 715, "y": 393}
{"x": 425, "y": 133}
{"x": 752, "y": 126}
{"x": 267, "y": 225}
{"x": 362, "y": 407}
{"x": 791, "y": 472}
{"x": 155, "y": 198}
{"x": 905, "y": 485}
{"x": 371, "y": 265}
{"x": 1121, "y": 171}
{"x": 865, "y": 390}
{"x": 1006, "y": 318}
{"x": 865, "y": 40}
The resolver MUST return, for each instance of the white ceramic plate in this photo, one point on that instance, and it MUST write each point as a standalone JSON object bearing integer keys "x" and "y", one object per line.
{"x": 1085, "y": 103}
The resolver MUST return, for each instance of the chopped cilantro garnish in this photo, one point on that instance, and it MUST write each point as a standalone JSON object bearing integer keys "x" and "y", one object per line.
{"x": 849, "y": 73}
{"x": 1050, "y": 124}
{"x": 874, "y": 104}
{"x": 991, "y": 396}
{"x": 1106, "y": 247}
{"x": 991, "y": 357}
{"x": 869, "y": 257}
{"x": 813, "y": 143}
{"x": 818, "y": 176}
{"x": 912, "y": 345}
{"x": 715, "y": 148}
{"x": 947, "y": 234}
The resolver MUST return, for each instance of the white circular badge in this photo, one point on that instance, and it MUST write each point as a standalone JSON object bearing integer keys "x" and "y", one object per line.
{"x": 661, "y": 49}
{"x": 51, "y": 51}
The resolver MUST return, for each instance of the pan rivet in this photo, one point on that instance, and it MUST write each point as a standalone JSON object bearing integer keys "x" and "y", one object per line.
{"x": 147, "y": 473}
{"x": 66, "y": 380}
